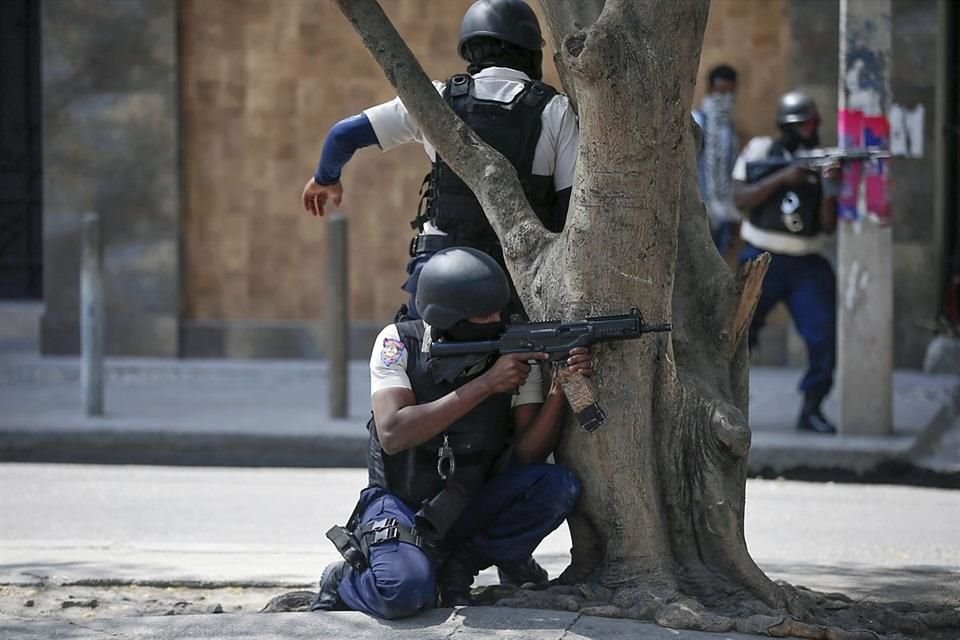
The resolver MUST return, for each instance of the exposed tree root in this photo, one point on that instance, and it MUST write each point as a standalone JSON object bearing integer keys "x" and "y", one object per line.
{"x": 831, "y": 616}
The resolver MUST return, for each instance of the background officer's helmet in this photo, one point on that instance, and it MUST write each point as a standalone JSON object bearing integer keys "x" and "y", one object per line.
{"x": 460, "y": 283}
{"x": 796, "y": 107}
{"x": 512, "y": 21}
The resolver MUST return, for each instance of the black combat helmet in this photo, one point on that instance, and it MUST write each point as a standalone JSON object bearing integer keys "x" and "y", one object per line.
{"x": 512, "y": 21}
{"x": 796, "y": 107}
{"x": 460, "y": 283}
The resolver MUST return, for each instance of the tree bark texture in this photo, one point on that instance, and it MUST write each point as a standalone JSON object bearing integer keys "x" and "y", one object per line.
{"x": 659, "y": 530}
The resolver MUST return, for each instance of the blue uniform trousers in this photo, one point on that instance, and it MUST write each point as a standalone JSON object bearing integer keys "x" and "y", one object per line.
{"x": 808, "y": 287}
{"x": 505, "y": 522}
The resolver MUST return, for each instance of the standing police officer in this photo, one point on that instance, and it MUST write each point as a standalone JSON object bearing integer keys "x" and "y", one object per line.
{"x": 790, "y": 211}
{"x": 501, "y": 98}
{"x": 457, "y": 474}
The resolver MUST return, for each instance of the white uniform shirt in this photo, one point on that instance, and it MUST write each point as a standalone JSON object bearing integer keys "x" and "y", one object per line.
{"x": 785, "y": 243}
{"x": 388, "y": 367}
{"x": 556, "y": 152}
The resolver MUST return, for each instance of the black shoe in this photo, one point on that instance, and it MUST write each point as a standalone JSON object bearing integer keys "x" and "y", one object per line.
{"x": 453, "y": 582}
{"x": 525, "y": 572}
{"x": 327, "y": 598}
{"x": 813, "y": 420}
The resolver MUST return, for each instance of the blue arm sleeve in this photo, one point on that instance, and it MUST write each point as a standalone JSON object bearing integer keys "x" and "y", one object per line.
{"x": 342, "y": 142}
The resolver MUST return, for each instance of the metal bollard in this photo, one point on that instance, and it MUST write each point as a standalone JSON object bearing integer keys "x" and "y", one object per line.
{"x": 91, "y": 316}
{"x": 337, "y": 302}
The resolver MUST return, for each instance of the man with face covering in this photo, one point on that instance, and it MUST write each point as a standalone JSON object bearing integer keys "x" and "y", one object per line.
{"x": 789, "y": 212}
{"x": 719, "y": 152}
{"x": 457, "y": 473}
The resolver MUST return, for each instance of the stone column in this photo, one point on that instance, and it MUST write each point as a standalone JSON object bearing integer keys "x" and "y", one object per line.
{"x": 111, "y": 145}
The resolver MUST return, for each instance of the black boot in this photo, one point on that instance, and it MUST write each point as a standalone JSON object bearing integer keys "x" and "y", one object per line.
{"x": 811, "y": 418}
{"x": 524, "y": 572}
{"x": 455, "y": 578}
{"x": 327, "y": 598}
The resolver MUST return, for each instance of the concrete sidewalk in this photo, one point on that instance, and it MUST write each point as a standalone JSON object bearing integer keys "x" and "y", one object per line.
{"x": 275, "y": 413}
{"x": 468, "y": 623}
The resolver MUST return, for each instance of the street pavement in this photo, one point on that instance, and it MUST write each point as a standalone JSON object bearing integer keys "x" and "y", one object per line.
{"x": 276, "y": 413}
{"x": 87, "y": 524}
{"x": 262, "y": 526}
{"x": 467, "y": 623}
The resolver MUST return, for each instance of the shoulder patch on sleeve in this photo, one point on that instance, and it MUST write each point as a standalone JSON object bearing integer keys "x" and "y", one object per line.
{"x": 392, "y": 351}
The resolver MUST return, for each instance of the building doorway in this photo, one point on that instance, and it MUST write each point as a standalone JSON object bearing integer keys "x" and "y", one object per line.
{"x": 21, "y": 256}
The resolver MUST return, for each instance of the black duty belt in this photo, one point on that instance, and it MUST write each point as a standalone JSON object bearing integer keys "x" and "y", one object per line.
{"x": 429, "y": 243}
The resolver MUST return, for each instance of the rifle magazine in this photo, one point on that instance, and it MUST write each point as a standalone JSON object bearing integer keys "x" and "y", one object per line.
{"x": 582, "y": 395}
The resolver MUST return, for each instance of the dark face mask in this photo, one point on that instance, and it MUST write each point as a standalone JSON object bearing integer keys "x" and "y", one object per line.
{"x": 793, "y": 139}
{"x": 465, "y": 331}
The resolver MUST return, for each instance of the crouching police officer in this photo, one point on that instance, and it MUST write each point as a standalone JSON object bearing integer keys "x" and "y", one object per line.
{"x": 457, "y": 476}
{"x": 504, "y": 101}
{"x": 790, "y": 212}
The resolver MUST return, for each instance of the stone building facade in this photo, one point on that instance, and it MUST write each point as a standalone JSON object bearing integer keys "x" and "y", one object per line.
{"x": 192, "y": 126}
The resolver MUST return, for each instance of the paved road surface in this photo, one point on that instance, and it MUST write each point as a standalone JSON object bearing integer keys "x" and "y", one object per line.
{"x": 248, "y": 526}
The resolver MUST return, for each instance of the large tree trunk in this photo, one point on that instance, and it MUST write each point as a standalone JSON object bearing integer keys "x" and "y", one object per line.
{"x": 659, "y": 528}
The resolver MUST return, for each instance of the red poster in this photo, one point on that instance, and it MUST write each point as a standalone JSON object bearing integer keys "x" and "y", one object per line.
{"x": 878, "y": 201}
{"x": 850, "y": 128}
{"x": 869, "y": 178}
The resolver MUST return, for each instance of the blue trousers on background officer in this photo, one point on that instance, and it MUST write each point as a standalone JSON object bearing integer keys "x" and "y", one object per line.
{"x": 806, "y": 284}
{"x": 512, "y": 514}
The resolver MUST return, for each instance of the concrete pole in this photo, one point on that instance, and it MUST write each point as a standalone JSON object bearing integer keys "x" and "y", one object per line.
{"x": 337, "y": 304}
{"x": 91, "y": 317}
{"x": 865, "y": 242}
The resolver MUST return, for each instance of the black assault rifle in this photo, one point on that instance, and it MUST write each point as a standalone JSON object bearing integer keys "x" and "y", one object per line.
{"x": 813, "y": 159}
{"x": 449, "y": 359}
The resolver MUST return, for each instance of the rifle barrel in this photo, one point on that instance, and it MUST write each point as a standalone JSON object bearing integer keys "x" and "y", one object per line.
{"x": 648, "y": 328}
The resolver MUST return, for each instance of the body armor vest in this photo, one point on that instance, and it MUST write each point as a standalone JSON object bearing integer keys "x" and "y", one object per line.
{"x": 478, "y": 439}
{"x": 793, "y": 210}
{"x": 511, "y": 128}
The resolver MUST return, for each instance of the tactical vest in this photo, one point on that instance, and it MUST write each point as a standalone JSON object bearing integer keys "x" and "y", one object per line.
{"x": 478, "y": 439}
{"x": 513, "y": 129}
{"x": 792, "y": 210}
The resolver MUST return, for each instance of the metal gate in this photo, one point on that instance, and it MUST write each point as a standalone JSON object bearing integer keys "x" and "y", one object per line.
{"x": 21, "y": 259}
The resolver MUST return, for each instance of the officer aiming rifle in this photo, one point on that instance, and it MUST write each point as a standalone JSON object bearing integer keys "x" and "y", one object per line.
{"x": 787, "y": 188}
{"x": 458, "y": 479}
{"x": 450, "y": 359}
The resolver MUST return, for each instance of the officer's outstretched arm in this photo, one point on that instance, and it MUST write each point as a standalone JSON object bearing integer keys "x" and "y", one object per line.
{"x": 403, "y": 424}
{"x": 343, "y": 140}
